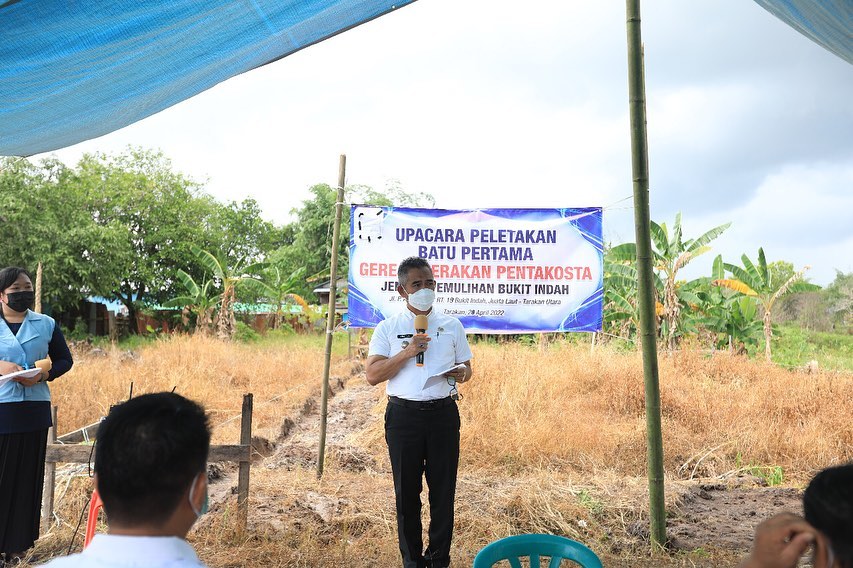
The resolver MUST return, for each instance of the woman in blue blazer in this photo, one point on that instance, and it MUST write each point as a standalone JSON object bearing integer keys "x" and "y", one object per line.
{"x": 25, "y": 339}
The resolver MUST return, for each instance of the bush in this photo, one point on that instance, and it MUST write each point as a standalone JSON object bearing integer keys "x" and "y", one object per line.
{"x": 245, "y": 334}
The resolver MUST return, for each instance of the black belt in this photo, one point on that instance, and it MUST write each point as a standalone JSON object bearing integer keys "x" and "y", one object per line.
{"x": 421, "y": 404}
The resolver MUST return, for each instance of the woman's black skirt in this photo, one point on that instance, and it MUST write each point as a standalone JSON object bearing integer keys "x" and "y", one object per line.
{"x": 21, "y": 483}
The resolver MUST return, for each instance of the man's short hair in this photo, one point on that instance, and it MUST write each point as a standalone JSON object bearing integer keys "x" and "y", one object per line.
{"x": 828, "y": 507}
{"x": 149, "y": 451}
{"x": 409, "y": 264}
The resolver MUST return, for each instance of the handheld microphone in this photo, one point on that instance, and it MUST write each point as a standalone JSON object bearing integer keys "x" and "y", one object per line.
{"x": 420, "y": 327}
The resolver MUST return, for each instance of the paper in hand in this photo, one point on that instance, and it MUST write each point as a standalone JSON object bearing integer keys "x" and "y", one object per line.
{"x": 25, "y": 373}
{"x": 439, "y": 378}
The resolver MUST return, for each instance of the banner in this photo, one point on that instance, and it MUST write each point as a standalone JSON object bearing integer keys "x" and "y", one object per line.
{"x": 496, "y": 270}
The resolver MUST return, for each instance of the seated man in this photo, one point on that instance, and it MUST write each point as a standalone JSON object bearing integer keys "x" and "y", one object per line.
{"x": 828, "y": 505}
{"x": 151, "y": 474}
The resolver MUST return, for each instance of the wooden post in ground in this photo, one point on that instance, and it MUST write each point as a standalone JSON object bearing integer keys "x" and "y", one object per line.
{"x": 243, "y": 475}
{"x": 49, "y": 479}
{"x": 330, "y": 319}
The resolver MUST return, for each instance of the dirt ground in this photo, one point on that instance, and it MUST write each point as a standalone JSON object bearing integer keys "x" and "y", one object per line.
{"x": 710, "y": 522}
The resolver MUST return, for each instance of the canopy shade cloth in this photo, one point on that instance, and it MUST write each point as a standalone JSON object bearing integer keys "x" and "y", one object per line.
{"x": 826, "y": 22}
{"x": 71, "y": 71}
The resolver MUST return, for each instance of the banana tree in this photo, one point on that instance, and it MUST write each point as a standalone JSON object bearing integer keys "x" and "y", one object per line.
{"x": 728, "y": 317}
{"x": 671, "y": 254}
{"x": 279, "y": 289}
{"x": 199, "y": 300}
{"x": 231, "y": 278}
{"x": 757, "y": 282}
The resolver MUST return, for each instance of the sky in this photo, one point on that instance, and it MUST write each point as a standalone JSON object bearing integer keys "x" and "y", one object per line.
{"x": 485, "y": 104}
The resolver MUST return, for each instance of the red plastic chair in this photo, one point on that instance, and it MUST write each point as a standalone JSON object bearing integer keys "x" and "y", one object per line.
{"x": 95, "y": 505}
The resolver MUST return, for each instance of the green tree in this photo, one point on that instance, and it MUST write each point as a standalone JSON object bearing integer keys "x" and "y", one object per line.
{"x": 200, "y": 301}
{"x": 241, "y": 233}
{"x": 671, "y": 254}
{"x": 840, "y": 300}
{"x": 42, "y": 219}
{"x": 231, "y": 277}
{"x": 278, "y": 288}
{"x": 725, "y": 315}
{"x": 306, "y": 243}
{"x": 758, "y": 282}
{"x": 154, "y": 212}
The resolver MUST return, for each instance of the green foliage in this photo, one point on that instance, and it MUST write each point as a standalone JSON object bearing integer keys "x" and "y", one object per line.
{"x": 120, "y": 226}
{"x": 671, "y": 252}
{"x": 796, "y": 346}
{"x": 757, "y": 280}
{"x": 245, "y": 334}
{"x": 591, "y": 503}
{"x": 773, "y": 475}
{"x": 839, "y": 296}
{"x": 43, "y": 219}
{"x": 307, "y": 241}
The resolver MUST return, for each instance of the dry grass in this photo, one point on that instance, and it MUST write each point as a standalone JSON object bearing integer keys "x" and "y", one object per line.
{"x": 553, "y": 441}
{"x": 586, "y": 411}
{"x": 281, "y": 378}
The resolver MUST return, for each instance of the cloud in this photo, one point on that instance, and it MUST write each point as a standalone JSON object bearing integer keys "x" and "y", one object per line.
{"x": 491, "y": 104}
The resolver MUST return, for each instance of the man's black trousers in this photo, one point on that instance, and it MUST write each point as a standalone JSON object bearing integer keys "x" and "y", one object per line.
{"x": 423, "y": 438}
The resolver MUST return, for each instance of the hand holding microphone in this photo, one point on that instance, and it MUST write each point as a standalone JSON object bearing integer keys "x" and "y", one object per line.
{"x": 421, "y": 324}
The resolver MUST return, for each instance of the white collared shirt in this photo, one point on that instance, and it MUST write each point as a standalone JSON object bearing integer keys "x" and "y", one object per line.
{"x": 447, "y": 347}
{"x": 117, "y": 551}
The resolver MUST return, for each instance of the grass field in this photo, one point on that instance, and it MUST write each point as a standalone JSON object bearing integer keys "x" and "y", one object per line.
{"x": 551, "y": 436}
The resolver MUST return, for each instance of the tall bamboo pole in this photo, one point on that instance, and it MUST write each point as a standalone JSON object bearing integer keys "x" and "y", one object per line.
{"x": 640, "y": 170}
{"x": 330, "y": 319}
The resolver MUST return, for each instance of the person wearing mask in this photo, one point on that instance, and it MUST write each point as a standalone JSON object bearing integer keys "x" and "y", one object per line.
{"x": 151, "y": 474}
{"x": 28, "y": 341}
{"x": 421, "y": 422}
{"x": 782, "y": 540}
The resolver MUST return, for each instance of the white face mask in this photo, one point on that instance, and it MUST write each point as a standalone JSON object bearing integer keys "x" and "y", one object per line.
{"x": 422, "y": 299}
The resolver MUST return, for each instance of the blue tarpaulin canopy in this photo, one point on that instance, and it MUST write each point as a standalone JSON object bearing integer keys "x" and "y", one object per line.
{"x": 71, "y": 71}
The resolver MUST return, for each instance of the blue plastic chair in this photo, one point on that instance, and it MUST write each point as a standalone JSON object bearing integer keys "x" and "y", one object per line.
{"x": 534, "y": 546}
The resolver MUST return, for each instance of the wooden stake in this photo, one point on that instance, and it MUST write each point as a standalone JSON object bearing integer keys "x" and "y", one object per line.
{"x": 49, "y": 476}
{"x": 243, "y": 473}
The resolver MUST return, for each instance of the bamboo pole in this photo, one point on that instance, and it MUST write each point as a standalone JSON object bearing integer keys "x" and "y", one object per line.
{"x": 330, "y": 319}
{"x": 640, "y": 170}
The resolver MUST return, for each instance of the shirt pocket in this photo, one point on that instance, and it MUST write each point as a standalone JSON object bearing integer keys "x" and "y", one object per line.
{"x": 441, "y": 352}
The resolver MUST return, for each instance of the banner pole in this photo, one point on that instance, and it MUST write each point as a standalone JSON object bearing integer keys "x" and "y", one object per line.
{"x": 330, "y": 319}
{"x": 645, "y": 282}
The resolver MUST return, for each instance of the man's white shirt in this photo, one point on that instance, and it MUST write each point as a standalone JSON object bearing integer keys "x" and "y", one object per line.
{"x": 115, "y": 551}
{"x": 448, "y": 346}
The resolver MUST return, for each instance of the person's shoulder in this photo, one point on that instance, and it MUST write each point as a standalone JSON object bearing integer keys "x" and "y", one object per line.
{"x": 391, "y": 321}
{"x": 35, "y": 316}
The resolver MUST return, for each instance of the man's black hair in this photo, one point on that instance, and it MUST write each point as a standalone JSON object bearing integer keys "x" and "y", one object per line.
{"x": 9, "y": 274}
{"x": 409, "y": 264}
{"x": 828, "y": 507}
{"x": 149, "y": 451}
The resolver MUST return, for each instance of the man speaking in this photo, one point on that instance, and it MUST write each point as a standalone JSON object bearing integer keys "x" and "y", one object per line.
{"x": 416, "y": 352}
